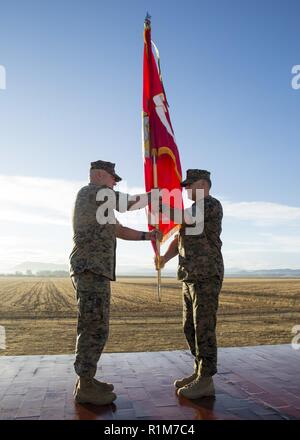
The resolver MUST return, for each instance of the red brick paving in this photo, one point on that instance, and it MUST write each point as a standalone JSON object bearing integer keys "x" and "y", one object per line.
{"x": 260, "y": 382}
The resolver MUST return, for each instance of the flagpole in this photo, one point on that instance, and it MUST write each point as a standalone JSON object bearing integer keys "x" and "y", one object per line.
{"x": 155, "y": 182}
{"x": 147, "y": 24}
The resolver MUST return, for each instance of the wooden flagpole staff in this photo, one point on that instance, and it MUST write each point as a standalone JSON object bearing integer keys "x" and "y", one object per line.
{"x": 155, "y": 182}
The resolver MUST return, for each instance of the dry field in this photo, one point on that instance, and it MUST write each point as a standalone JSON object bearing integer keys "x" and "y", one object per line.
{"x": 39, "y": 314}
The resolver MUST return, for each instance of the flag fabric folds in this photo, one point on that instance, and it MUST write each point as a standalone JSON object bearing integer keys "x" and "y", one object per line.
{"x": 162, "y": 168}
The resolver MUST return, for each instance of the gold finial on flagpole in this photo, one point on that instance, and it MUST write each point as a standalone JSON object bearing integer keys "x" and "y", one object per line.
{"x": 148, "y": 20}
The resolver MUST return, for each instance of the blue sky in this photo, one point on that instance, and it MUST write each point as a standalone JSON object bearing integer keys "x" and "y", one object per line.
{"x": 73, "y": 95}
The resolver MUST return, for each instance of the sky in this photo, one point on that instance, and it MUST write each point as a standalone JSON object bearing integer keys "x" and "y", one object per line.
{"x": 73, "y": 95}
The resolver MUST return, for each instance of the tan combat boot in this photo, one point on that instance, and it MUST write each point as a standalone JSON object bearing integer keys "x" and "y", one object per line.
{"x": 185, "y": 380}
{"x": 200, "y": 387}
{"x": 102, "y": 386}
{"x": 88, "y": 392}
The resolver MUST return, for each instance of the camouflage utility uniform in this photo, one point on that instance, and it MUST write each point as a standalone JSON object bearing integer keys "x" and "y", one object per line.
{"x": 92, "y": 266}
{"x": 201, "y": 270}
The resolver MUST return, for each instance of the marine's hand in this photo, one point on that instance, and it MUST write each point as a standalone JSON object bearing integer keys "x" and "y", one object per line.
{"x": 156, "y": 234}
{"x": 159, "y": 262}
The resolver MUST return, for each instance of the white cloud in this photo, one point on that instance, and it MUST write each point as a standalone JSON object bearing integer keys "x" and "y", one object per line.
{"x": 262, "y": 213}
{"x": 37, "y": 200}
{"x": 267, "y": 251}
{"x": 268, "y": 242}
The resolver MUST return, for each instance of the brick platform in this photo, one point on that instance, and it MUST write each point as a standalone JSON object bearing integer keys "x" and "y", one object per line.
{"x": 260, "y": 382}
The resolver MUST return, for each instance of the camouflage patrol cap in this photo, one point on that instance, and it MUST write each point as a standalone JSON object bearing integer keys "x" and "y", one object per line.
{"x": 107, "y": 166}
{"x": 194, "y": 175}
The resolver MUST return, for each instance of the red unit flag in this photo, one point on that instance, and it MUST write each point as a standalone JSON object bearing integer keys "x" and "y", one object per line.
{"x": 162, "y": 166}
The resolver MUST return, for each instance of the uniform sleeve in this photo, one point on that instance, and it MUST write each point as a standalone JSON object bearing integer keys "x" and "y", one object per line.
{"x": 128, "y": 202}
{"x": 214, "y": 216}
{"x": 113, "y": 199}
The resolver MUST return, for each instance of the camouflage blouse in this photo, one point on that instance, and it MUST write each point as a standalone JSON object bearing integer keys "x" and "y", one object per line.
{"x": 94, "y": 243}
{"x": 200, "y": 256}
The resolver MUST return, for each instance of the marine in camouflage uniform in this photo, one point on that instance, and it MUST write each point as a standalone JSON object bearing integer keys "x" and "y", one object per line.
{"x": 92, "y": 267}
{"x": 201, "y": 271}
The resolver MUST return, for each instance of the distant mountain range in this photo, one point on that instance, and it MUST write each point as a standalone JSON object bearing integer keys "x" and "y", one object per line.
{"x": 35, "y": 267}
{"x": 266, "y": 273}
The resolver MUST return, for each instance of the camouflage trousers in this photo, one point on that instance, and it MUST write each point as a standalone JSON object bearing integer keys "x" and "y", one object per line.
{"x": 200, "y": 305}
{"x": 93, "y": 300}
